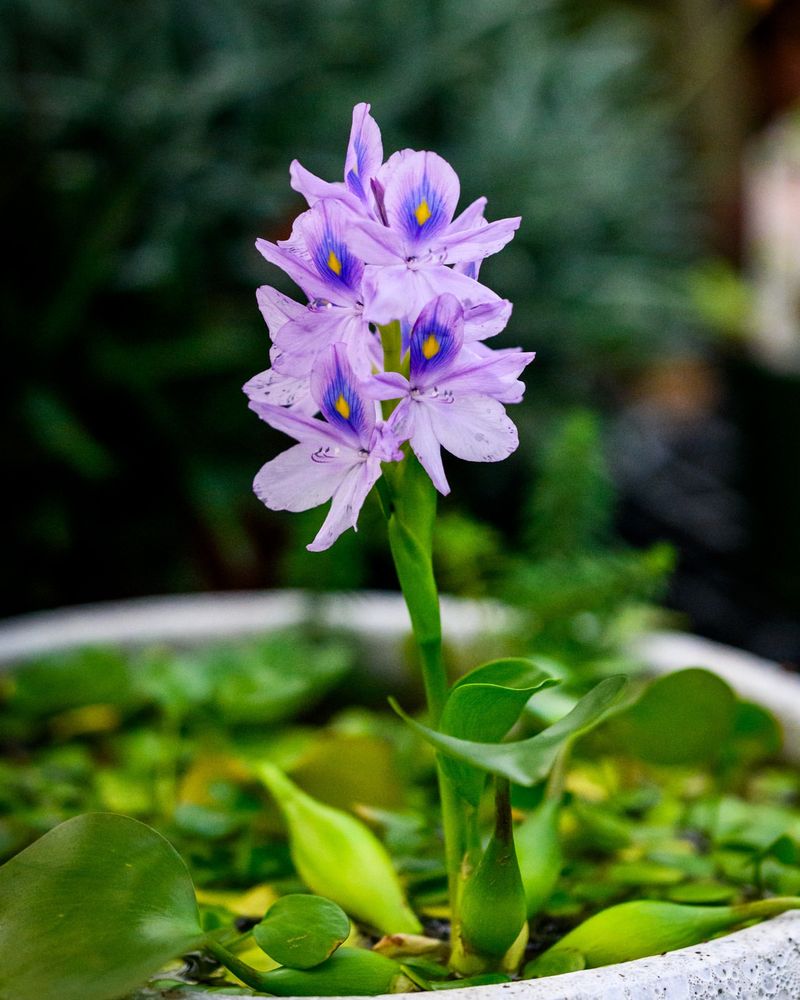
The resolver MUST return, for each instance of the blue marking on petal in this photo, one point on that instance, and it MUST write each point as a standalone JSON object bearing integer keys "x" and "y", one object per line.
{"x": 423, "y": 210}
{"x": 335, "y": 263}
{"x": 361, "y": 152}
{"x": 341, "y": 404}
{"x": 434, "y": 342}
{"x": 354, "y": 184}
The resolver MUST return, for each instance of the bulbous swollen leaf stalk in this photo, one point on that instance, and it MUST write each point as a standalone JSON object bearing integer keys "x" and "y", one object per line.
{"x": 492, "y": 905}
{"x": 348, "y": 972}
{"x": 645, "y": 927}
{"x": 337, "y": 856}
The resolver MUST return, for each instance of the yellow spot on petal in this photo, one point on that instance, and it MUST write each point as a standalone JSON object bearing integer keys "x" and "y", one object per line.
{"x": 334, "y": 263}
{"x": 342, "y": 407}
{"x": 431, "y": 346}
{"x": 422, "y": 212}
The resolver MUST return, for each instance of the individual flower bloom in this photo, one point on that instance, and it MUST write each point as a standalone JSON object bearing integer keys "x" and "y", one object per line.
{"x": 319, "y": 259}
{"x": 418, "y": 236}
{"x": 453, "y": 397}
{"x": 363, "y": 159}
{"x": 338, "y": 458}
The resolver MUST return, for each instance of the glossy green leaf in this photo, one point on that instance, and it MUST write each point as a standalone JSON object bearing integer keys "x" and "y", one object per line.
{"x": 300, "y": 931}
{"x": 756, "y": 734}
{"x": 783, "y": 849}
{"x": 686, "y": 717}
{"x": 526, "y": 761}
{"x": 92, "y": 909}
{"x": 483, "y": 706}
{"x": 510, "y": 672}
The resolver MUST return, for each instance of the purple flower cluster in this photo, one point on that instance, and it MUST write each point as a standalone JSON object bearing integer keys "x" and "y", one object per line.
{"x": 381, "y": 247}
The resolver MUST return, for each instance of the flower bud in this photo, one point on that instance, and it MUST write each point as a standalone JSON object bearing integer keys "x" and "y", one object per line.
{"x": 337, "y": 856}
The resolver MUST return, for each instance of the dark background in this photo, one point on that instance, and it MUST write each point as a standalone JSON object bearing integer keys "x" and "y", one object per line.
{"x": 146, "y": 146}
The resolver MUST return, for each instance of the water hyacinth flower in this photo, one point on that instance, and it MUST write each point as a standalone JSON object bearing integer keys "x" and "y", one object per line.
{"x": 452, "y": 398}
{"x": 383, "y": 246}
{"x": 409, "y": 252}
{"x": 337, "y": 459}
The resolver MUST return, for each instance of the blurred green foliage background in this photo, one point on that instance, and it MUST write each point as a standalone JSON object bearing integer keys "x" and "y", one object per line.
{"x": 147, "y": 145}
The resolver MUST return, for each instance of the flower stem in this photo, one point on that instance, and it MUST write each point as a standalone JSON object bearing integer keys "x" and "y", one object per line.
{"x": 408, "y": 500}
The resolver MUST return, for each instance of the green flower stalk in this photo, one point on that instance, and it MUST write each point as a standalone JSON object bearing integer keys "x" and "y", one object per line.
{"x": 337, "y": 856}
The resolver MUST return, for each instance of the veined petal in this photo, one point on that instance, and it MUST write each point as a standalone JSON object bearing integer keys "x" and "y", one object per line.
{"x": 298, "y": 269}
{"x": 364, "y": 152}
{"x": 314, "y": 189}
{"x": 302, "y": 428}
{"x": 277, "y": 308}
{"x": 475, "y": 244}
{"x": 474, "y": 428}
{"x": 336, "y": 391}
{"x": 420, "y": 198}
{"x": 401, "y": 291}
{"x": 425, "y": 445}
{"x": 493, "y": 374}
{"x": 486, "y": 319}
{"x": 471, "y": 216}
{"x": 376, "y": 244}
{"x": 324, "y": 233}
{"x": 386, "y": 385}
{"x": 436, "y": 339}
{"x": 300, "y": 341}
{"x": 277, "y": 389}
{"x": 347, "y": 503}
{"x": 301, "y": 478}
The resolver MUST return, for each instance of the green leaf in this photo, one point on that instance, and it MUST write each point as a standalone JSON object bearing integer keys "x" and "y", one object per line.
{"x": 300, "y": 931}
{"x": 92, "y": 909}
{"x": 526, "y": 761}
{"x": 756, "y": 734}
{"x": 57, "y": 683}
{"x": 783, "y": 849}
{"x": 511, "y": 671}
{"x": 686, "y": 717}
{"x": 483, "y": 706}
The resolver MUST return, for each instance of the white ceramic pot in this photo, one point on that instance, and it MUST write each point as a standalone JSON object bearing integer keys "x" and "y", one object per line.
{"x": 760, "y": 962}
